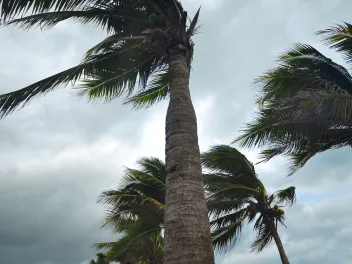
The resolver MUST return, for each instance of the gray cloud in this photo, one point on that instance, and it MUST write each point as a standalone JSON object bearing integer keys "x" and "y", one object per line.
{"x": 59, "y": 153}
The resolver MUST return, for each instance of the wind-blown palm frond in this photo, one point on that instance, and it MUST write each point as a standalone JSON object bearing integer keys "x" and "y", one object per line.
{"x": 89, "y": 66}
{"x": 106, "y": 17}
{"x": 158, "y": 90}
{"x": 142, "y": 195}
{"x": 303, "y": 104}
{"x": 264, "y": 237}
{"x": 287, "y": 195}
{"x": 230, "y": 205}
{"x": 224, "y": 160}
{"x": 136, "y": 211}
{"x": 339, "y": 37}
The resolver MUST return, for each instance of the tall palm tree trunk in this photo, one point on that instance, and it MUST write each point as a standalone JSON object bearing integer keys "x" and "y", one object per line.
{"x": 187, "y": 229}
{"x": 279, "y": 245}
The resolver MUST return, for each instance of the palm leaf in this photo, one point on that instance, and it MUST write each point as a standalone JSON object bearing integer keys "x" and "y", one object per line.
{"x": 158, "y": 90}
{"x": 286, "y": 196}
{"x": 224, "y": 159}
{"x": 109, "y": 18}
{"x": 263, "y": 238}
{"x": 227, "y": 236}
{"x": 90, "y": 65}
{"x": 339, "y": 37}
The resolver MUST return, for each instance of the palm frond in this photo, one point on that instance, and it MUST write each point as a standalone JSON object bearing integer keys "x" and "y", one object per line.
{"x": 302, "y": 67}
{"x": 339, "y": 38}
{"x": 10, "y": 8}
{"x": 227, "y": 236}
{"x": 263, "y": 238}
{"x": 140, "y": 200}
{"x": 286, "y": 196}
{"x": 109, "y": 18}
{"x": 89, "y": 66}
{"x": 135, "y": 68}
{"x": 158, "y": 90}
{"x": 224, "y": 160}
{"x": 228, "y": 219}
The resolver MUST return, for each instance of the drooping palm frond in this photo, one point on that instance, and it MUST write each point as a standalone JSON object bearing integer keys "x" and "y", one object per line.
{"x": 89, "y": 66}
{"x": 286, "y": 196}
{"x": 227, "y": 236}
{"x": 172, "y": 9}
{"x": 134, "y": 246}
{"x": 108, "y": 18}
{"x": 263, "y": 238}
{"x": 158, "y": 90}
{"x": 339, "y": 38}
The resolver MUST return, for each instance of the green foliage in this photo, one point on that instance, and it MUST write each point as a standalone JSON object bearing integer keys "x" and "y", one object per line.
{"x": 235, "y": 195}
{"x": 135, "y": 210}
{"x": 121, "y": 65}
{"x": 305, "y": 103}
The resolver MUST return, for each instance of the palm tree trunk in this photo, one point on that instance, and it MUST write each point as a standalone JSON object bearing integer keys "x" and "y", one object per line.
{"x": 279, "y": 245}
{"x": 187, "y": 230}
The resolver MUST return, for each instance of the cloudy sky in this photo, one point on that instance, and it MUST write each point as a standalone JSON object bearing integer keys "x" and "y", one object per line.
{"x": 59, "y": 153}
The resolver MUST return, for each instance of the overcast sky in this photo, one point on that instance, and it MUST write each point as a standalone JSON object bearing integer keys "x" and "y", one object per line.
{"x": 60, "y": 152}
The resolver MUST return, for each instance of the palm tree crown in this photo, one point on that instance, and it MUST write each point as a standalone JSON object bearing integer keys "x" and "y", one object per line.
{"x": 135, "y": 53}
{"x": 135, "y": 210}
{"x": 236, "y": 195}
{"x": 305, "y": 103}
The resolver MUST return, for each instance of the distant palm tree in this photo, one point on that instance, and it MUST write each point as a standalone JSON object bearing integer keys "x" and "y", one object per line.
{"x": 236, "y": 195}
{"x": 149, "y": 47}
{"x": 305, "y": 103}
{"x": 135, "y": 210}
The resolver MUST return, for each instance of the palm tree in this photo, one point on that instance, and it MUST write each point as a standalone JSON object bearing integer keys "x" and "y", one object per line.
{"x": 136, "y": 210}
{"x": 149, "y": 47}
{"x": 305, "y": 103}
{"x": 236, "y": 195}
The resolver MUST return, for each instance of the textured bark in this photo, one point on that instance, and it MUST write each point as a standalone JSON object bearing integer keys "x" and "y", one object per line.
{"x": 279, "y": 245}
{"x": 187, "y": 230}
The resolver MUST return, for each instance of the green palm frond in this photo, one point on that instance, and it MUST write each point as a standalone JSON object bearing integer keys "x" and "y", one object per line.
{"x": 171, "y": 9}
{"x": 302, "y": 68}
{"x": 286, "y": 196}
{"x": 321, "y": 106}
{"x": 135, "y": 68}
{"x": 339, "y": 37}
{"x": 108, "y": 18}
{"x": 229, "y": 219}
{"x": 90, "y": 65}
{"x": 158, "y": 90}
{"x": 227, "y": 236}
{"x": 264, "y": 237}
{"x": 218, "y": 207}
{"x": 140, "y": 200}
{"x": 135, "y": 246}
{"x": 224, "y": 160}
{"x": 10, "y": 8}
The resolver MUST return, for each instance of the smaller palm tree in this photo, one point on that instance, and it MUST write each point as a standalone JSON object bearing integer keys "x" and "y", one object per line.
{"x": 135, "y": 210}
{"x": 236, "y": 195}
